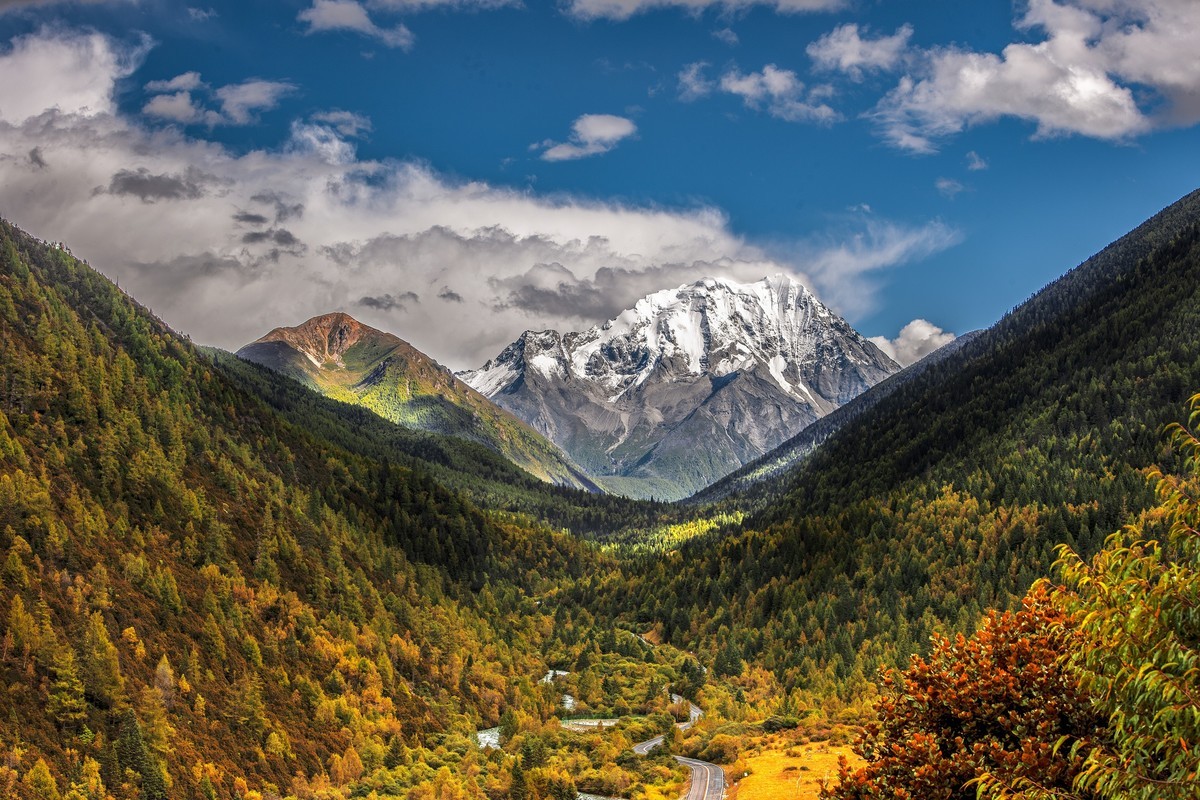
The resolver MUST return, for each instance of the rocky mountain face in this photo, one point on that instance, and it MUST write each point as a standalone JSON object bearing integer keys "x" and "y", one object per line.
{"x": 752, "y": 479}
{"x": 686, "y": 386}
{"x": 340, "y": 357}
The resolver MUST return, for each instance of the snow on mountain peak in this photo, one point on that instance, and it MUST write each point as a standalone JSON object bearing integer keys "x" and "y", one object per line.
{"x": 686, "y": 385}
{"x": 714, "y": 326}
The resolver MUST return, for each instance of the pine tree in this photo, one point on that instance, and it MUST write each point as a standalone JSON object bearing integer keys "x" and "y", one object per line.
{"x": 729, "y": 661}
{"x": 133, "y": 754}
{"x": 519, "y": 789}
{"x": 67, "y": 704}
{"x": 102, "y": 678}
{"x": 508, "y": 725}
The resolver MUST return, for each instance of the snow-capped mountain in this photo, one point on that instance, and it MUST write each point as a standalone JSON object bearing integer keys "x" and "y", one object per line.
{"x": 687, "y": 385}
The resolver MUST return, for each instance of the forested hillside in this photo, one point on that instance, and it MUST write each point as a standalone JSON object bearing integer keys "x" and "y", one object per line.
{"x": 203, "y": 599}
{"x": 950, "y": 496}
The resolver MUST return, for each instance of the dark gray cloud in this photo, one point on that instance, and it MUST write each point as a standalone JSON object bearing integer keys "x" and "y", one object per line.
{"x": 150, "y": 188}
{"x": 284, "y": 208}
{"x": 36, "y": 158}
{"x": 550, "y": 290}
{"x": 280, "y": 236}
{"x": 185, "y": 273}
{"x": 390, "y": 302}
{"x": 449, "y": 295}
{"x": 250, "y": 218}
{"x": 285, "y": 238}
{"x": 547, "y": 289}
{"x": 573, "y": 300}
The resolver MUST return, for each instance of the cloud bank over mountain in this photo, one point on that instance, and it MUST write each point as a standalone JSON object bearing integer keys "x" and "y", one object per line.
{"x": 216, "y": 240}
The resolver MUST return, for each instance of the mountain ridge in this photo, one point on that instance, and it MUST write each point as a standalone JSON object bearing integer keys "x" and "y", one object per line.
{"x": 347, "y": 360}
{"x": 776, "y": 463}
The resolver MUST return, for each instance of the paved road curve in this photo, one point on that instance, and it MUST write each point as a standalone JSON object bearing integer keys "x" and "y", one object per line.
{"x": 708, "y": 780}
{"x": 644, "y": 748}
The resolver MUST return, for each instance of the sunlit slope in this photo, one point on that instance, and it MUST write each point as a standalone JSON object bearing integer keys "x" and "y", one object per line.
{"x": 348, "y": 361}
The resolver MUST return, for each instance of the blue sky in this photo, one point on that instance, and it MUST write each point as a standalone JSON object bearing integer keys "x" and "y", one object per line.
{"x": 447, "y": 161}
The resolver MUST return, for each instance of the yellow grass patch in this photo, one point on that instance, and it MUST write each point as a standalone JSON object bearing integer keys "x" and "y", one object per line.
{"x": 792, "y": 773}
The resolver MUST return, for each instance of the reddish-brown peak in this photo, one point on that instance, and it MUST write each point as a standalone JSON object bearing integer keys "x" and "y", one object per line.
{"x": 323, "y": 338}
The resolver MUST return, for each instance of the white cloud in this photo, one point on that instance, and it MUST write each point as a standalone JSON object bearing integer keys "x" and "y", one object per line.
{"x": 1027, "y": 82}
{"x": 843, "y": 265}
{"x": 948, "y": 187}
{"x": 1150, "y": 42}
{"x": 727, "y": 36}
{"x": 917, "y": 339}
{"x": 241, "y": 101}
{"x": 196, "y": 14}
{"x": 624, "y": 9}
{"x": 692, "y": 82}
{"x": 781, "y": 93}
{"x": 844, "y": 49}
{"x": 322, "y": 141}
{"x": 591, "y": 135}
{"x": 350, "y": 15}
{"x": 187, "y": 82}
{"x": 178, "y": 107}
{"x": 976, "y": 162}
{"x": 1107, "y": 69}
{"x": 72, "y": 73}
{"x": 225, "y": 246}
{"x": 346, "y": 123}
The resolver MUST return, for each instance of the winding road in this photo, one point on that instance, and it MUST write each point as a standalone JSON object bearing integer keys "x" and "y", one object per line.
{"x": 708, "y": 780}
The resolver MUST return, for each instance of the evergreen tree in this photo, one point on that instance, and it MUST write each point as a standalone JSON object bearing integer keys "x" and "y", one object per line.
{"x": 132, "y": 754}
{"x": 519, "y": 788}
{"x": 67, "y": 703}
{"x": 508, "y": 726}
{"x": 729, "y": 661}
{"x": 102, "y": 677}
